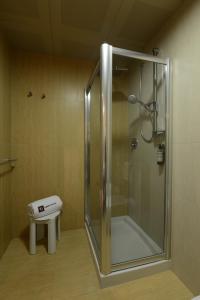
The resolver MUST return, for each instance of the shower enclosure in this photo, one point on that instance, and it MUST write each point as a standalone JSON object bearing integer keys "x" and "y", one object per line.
{"x": 127, "y": 159}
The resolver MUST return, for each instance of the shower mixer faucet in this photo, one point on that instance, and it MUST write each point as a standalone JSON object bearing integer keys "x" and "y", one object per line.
{"x": 134, "y": 144}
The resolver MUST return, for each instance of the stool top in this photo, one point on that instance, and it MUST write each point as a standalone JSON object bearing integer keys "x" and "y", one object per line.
{"x": 48, "y": 217}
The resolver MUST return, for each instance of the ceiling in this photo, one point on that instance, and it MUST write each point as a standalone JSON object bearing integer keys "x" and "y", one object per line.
{"x": 76, "y": 28}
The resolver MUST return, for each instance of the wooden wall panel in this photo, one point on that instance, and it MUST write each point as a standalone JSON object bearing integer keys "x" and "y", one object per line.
{"x": 5, "y": 172}
{"x": 48, "y": 135}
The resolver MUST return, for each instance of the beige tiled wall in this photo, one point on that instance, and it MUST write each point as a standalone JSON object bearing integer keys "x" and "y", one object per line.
{"x": 120, "y": 148}
{"x": 180, "y": 40}
{"x": 137, "y": 179}
{"x": 47, "y": 135}
{"x": 5, "y": 171}
{"x": 146, "y": 177}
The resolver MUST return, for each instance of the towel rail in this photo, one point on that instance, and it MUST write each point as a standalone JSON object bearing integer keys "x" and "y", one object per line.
{"x": 7, "y": 160}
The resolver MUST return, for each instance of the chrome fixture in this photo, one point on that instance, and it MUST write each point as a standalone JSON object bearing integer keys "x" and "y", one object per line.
{"x": 8, "y": 160}
{"x": 30, "y": 94}
{"x": 152, "y": 106}
{"x": 134, "y": 143}
{"x": 116, "y": 68}
{"x": 133, "y": 100}
{"x": 155, "y": 80}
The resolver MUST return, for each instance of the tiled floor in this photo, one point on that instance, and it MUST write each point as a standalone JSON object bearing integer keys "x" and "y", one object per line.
{"x": 70, "y": 274}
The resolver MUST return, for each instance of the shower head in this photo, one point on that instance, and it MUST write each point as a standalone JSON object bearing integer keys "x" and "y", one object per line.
{"x": 132, "y": 99}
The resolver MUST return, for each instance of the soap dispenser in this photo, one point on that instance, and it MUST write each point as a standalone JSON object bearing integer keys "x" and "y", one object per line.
{"x": 160, "y": 154}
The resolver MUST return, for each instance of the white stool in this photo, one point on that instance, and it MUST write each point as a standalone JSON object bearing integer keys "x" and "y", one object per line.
{"x": 53, "y": 221}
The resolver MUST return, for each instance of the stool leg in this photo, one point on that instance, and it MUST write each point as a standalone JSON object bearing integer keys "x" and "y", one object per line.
{"x": 52, "y": 236}
{"x": 32, "y": 238}
{"x": 58, "y": 228}
{"x": 40, "y": 232}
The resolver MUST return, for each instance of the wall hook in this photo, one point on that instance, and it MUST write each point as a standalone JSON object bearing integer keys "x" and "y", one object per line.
{"x": 30, "y": 94}
{"x": 155, "y": 51}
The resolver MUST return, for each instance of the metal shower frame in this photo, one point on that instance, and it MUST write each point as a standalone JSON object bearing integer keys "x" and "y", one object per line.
{"x": 103, "y": 258}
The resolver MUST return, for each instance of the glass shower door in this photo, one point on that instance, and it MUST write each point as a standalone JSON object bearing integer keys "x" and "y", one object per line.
{"x": 92, "y": 205}
{"x": 138, "y": 223}
{"x": 127, "y": 159}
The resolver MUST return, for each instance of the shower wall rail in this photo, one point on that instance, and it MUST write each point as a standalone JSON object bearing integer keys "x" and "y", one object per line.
{"x": 7, "y": 160}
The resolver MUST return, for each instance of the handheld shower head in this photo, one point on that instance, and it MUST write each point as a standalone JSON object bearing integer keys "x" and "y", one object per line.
{"x": 132, "y": 99}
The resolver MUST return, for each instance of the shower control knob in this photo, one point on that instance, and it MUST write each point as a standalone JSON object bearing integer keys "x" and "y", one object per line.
{"x": 134, "y": 143}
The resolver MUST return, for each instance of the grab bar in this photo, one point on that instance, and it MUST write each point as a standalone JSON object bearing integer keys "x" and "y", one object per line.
{"x": 7, "y": 160}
